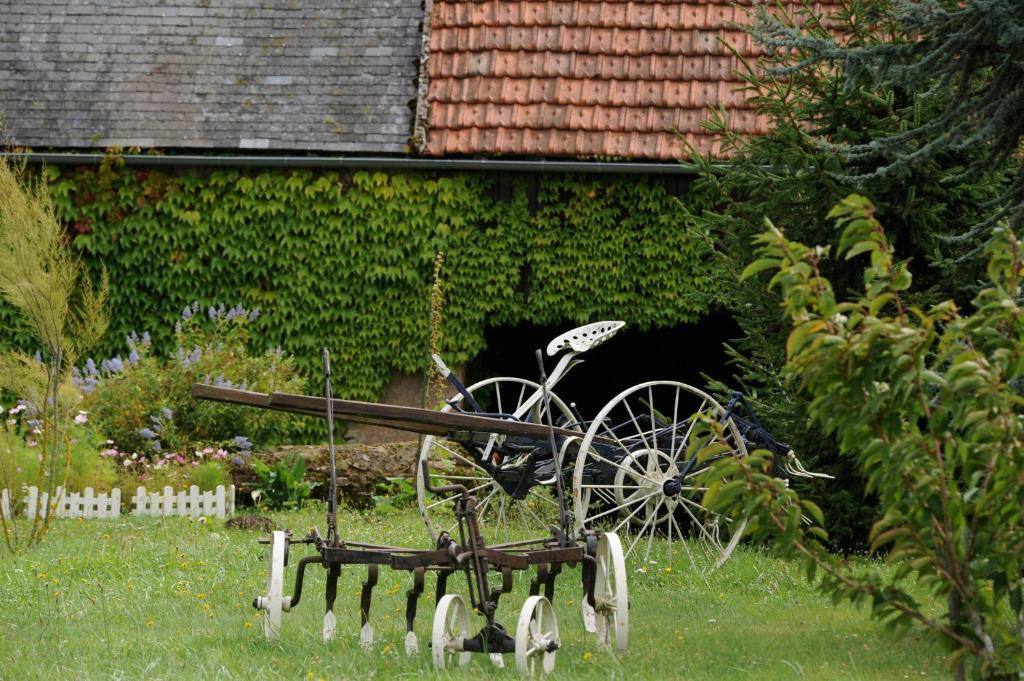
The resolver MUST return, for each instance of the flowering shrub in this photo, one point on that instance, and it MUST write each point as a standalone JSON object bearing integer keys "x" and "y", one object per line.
{"x": 143, "y": 402}
{"x": 205, "y": 468}
{"x": 20, "y": 454}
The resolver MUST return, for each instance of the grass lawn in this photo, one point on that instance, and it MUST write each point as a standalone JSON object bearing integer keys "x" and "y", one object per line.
{"x": 170, "y": 599}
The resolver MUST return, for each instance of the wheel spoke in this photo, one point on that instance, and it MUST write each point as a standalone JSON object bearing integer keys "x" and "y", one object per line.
{"x": 675, "y": 420}
{"x": 639, "y": 430}
{"x": 458, "y": 456}
{"x": 455, "y": 496}
{"x": 654, "y": 424}
{"x": 639, "y": 535}
{"x": 629, "y": 471}
{"x": 470, "y": 478}
{"x": 617, "y": 508}
{"x": 697, "y": 523}
{"x": 686, "y": 437}
{"x": 482, "y": 506}
{"x": 650, "y": 538}
{"x": 546, "y": 498}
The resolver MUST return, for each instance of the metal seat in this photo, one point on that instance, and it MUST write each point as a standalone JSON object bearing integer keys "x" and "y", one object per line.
{"x": 585, "y": 337}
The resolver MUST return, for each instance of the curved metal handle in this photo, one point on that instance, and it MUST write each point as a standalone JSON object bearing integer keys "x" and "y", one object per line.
{"x": 443, "y": 489}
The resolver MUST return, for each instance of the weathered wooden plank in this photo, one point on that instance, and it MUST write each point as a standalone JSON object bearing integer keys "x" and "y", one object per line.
{"x": 413, "y": 419}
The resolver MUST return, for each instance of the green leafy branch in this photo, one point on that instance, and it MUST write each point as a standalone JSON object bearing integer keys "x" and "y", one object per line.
{"x": 921, "y": 400}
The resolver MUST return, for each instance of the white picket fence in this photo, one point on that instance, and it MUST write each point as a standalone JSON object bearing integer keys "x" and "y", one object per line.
{"x": 218, "y": 503}
{"x": 87, "y": 504}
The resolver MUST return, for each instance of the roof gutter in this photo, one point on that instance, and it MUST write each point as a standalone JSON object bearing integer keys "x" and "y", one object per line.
{"x": 365, "y": 162}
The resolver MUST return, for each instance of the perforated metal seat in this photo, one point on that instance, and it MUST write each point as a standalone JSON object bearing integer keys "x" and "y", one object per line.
{"x": 585, "y": 337}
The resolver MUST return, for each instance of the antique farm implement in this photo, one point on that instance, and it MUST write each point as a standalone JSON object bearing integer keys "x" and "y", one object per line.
{"x": 632, "y": 469}
{"x": 535, "y": 640}
{"x": 498, "y": 464}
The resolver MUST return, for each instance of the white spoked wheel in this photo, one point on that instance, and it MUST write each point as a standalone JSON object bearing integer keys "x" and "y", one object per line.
{"x": 625, "y": 480}
{"x": 502, "y": 518}
{"x": 451, "y": 626}
{"x": 536, "y": 636}
{"x": 611, "y": 595}
{"x": 272, "y": 603}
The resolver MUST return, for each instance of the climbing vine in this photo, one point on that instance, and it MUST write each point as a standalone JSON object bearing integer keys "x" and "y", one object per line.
{"x": 346, "y": 259}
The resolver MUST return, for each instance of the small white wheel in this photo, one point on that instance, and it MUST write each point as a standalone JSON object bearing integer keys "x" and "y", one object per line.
{"x": 611, "y": 595}
{"x": 451, "y": 626}
{"x": 636, "y": 474}
{"x": 272, "y": 603}
{"x": 536, "y": 636}
{"x": 501, "y": 517}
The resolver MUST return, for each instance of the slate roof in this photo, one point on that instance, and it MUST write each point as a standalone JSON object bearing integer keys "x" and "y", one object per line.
{"x": 326, "y": 75}
{"x": 584, "y": 77}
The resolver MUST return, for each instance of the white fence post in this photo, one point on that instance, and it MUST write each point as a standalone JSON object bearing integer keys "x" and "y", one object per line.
{"x": 219, "y": 504}
{"x": 31, "y": 502}
{"x": 115, "y": 503}
{"x": 168, "y": 500}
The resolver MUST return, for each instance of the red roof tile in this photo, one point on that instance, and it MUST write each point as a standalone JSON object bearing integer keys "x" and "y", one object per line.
{"x": 584, "y": 77}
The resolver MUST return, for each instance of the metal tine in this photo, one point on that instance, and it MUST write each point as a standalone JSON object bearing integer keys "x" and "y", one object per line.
{"x": 332, "y": 503}
{"x": 563, "y": 539}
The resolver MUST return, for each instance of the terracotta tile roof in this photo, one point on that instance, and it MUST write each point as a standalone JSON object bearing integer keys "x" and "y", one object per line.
{"x": 583, "y": 77}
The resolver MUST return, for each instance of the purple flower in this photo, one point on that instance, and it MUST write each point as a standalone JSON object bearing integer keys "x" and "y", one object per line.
{"x": 237, "y": 460}
{"x": 191, "y": 359}
{"x": 34, "y": 423}
{"x": 186, "y": 313}
{"x": 236, "y": 311}
{"x": 39, "y": 356}
{"x": 112, "y": 365}
{"x": 145, "y": 338}
{"x": 177, "y": 327}
{"x": 90, "y": 367}
{"x": 133, "y": 357}
{"x": 88, "y": 385}
{"x": 76, "y": 376}
{"x": 167, "y": 413}
{"x": 212, "y": 313}
{"x": 254, "y": 315}
{"x": 147, "y": 433}
{"x": 156, "y": 446}
{"x": 242, "y": 443}
{"x": 222, "y": 382}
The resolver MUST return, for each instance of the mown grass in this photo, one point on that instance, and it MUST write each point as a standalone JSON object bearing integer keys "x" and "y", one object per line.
{"x": 170, "y": 599}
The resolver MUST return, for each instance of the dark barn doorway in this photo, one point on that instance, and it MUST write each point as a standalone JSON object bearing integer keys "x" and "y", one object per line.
{"x": 681, "y": 353}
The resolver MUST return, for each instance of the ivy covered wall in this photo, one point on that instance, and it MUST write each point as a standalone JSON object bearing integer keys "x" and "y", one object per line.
{"x": 346, "y": 259}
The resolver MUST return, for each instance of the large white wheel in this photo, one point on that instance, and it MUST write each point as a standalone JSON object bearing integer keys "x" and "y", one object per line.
{"x": 501, "y": 517}
{"x": 536, "y": 636}
{"x": 611, "y": 595}
{"x": 273, "y": 602}
{"x": 451, "y": 626}
{"x": 629, "y": 486}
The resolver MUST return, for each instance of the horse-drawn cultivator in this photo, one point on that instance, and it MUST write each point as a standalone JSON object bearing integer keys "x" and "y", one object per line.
{"x": 499, "y": 465}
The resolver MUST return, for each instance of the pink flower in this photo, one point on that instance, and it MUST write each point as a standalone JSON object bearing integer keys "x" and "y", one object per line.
{"x": 82, "y": 417}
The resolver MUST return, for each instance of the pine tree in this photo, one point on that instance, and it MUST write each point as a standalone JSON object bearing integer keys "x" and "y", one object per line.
{"x": 964, "y": 61}
{"x": 824, "y": 113}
